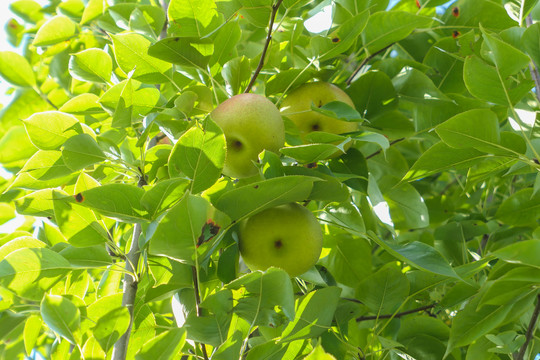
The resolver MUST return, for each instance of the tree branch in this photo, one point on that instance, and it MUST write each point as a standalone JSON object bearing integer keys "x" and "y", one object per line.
{"x": 165, "y": 6}
{"x": 275, "y": 8}
{"x": 530, "y": 330}
{"x": 130, "y": 285}
{"x": 130, "y": 292}
{"x": 364, "y": 62}
{"x": 532, "y": 67}
{"x": 392, "y": 316}
{"x": 379, "y": 151}
{"x": 198, "y": 302}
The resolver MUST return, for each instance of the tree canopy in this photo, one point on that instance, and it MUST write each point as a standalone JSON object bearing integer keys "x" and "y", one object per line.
{"x": 129, "y": 243}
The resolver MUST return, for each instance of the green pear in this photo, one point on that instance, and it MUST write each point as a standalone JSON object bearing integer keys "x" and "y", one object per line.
{"x": 286, "y": 236}
{"x": 251, "y": 123}
{"x": 297, "y": 107}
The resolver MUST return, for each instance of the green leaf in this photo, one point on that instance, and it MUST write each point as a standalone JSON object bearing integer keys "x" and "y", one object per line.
{"x": 225, "y": 43}
{"x": 472, "y": 322}
{"x": 111, "y": 326}
{"x": 92, "y": 10}
{"x": 407, "y": 207}
{"x": 16, "y": 70}
{"x": 147, "y": 19}
{"x": 15, "y": 145}
{"x": 163, "y": 194}
{"x": 84, "y": 104}
{"x": 386, "y": 28}
{"x": 419, "y": 255}
{"x": 237, "y": 72}
{"x": 131, "y": 53}
{"x": 169, "y": 276}
{"x": 24, "y": 103}
{"x": 38, "y": 203}
{"x": 62, "y": 316}
{"x": 349, "y": 260}
{"x": 345, "y": 35}
{"x": 519, "y": 9}
{"x": 81, "y": 151}
{"x": 266, "y": 291}
{"x": 120, "y": 201}
{"x": 354, "y": 163}
{"x": 374, "y": 138}
{"x": 449, "y": 67}
{"x": 20, "y": 242}
{"x": 193, "y": 52}
{"x": 100, "y": 308}
{"x": 46, "y": 165}
{"x": 338, "y": 110}
{"x": 91, "y": 65}
{"x": 491, "y": 15}
{"x": 485, "y": 82}
{"x": 28, "y": 10}
{"x": 177, "y": 233}
{"x": 32, "y": 328}
{"x": 256, "y": 12}
{"x": 522, "y": 252}
{"x": 326, "y": 188}
{"x": 287, "y": 79}
{"x": 441, "y": 157}
{"x": 87, "y": 257}
{"x": 319, "y": 354}
{"x": 193, "y": 18}
{"x": 373, "y": 93}
{"x": 200, "y": 155}
{"x": 30, "y": 272}
{"x": 531, "y": 42}
{"x": 50, "y": 129}
{"x": 314, "y": 314}
{"x": 167, "y": 344}
{"x": 346, "y": 216}
{"x": 385, "y": 291}
{"x": 521, "y": 208}
{"x": 507, "y": 59}
{"x": 250, "y": 199}
{"x": 478, "y": 128}
{"x": 54, "y": 31}
{"x": 311, "y": 153}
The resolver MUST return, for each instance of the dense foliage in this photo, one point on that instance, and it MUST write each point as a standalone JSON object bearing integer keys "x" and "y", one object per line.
{"x": 117, "y": 171}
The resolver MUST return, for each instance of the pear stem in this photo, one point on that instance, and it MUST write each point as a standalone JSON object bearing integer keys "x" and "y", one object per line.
{"x": 275, "y": 8}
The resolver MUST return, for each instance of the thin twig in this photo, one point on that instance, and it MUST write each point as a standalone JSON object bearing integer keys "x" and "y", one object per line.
{"x": 165, "y": 6}
{"x": 275, "y": 8}
{"x": 532, "y": 67}
{"x": 364, "y": 62}
{"x": 392, "y": 316}
{"x": 198, "y": 303}
{"x": 530, "y": 330}
{"x": 379, "y": 151}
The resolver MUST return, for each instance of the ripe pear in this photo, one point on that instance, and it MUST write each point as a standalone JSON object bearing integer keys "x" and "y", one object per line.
{"x": 286, "y": 236}
{"x": 251, "y": 123}
{"x": 297, "y": 107}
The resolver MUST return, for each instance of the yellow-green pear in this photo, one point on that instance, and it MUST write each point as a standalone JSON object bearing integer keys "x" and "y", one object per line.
{"x": 297, "y": 107}
{"x": 286, "y": 236}
{"x": 251, "y": 123}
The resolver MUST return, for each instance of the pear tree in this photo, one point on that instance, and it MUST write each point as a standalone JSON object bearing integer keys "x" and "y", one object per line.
{"x": 270, "y": 179}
